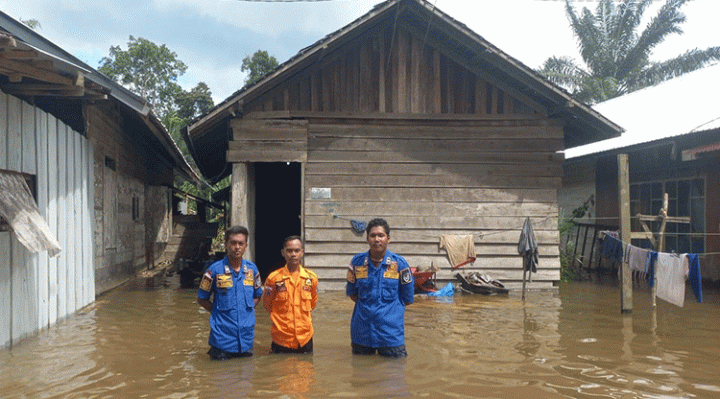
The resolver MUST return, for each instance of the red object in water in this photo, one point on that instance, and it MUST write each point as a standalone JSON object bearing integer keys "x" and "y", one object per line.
{"x": 424, "y": 281}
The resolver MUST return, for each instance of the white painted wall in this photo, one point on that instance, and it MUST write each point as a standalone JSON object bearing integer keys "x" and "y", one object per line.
{"x": 36, "y": 290}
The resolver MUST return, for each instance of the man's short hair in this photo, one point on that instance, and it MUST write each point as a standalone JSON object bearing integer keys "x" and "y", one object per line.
{"x": 378, "y": 222}
{"x": 236, "y": 230}
{"x": 292, "y": 238}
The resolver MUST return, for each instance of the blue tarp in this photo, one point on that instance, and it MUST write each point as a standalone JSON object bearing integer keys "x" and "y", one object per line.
{"x": 448, "y": 290}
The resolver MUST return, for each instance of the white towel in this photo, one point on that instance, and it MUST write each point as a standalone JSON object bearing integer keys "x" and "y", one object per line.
{"x": 670, "y": 272}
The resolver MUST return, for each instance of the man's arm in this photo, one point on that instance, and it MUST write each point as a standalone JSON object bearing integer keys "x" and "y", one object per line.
{"x": 407, "y": 285}
{"x": 206, "y": 304}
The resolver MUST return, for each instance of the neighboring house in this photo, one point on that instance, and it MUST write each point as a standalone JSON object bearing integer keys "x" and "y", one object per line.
{"x": 404, "y": 114}
{"x": 672, "y": 138}
{"x": 98, "y": 164}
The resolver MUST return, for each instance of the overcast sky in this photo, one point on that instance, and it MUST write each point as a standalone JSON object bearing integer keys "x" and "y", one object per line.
{"x": 213, "y": 36}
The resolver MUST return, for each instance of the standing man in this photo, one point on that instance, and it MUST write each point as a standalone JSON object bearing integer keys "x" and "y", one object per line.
{"x": 381, "y": 285}
{"x": 235, "y": 286}
{"x": 290, "y": 296}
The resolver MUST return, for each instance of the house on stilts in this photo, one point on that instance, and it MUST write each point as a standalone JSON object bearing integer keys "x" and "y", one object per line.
{"x": 404, "y": 114}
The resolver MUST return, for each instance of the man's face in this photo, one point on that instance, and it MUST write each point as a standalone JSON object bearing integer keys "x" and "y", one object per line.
{"x": 378, "y": 239}
{"x": 235, "y": 246}
{"x": 293, "y": 252}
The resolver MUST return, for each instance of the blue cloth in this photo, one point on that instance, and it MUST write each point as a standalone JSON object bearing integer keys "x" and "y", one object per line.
{"x": 613, "y": 248}
{"x": 650, "y": 267}
{"x": 448, "y": 290}
{"x": 232, "y": 320}
{"x": 378, "y": 319}
{"x": 358, "y": 225}
{"x": 694, "y": 276}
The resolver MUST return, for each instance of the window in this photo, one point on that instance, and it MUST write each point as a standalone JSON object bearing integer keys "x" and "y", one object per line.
{"x": 136, "y": 208}
{"x": 686, "y": 197}
{"x": 30, "y": 180}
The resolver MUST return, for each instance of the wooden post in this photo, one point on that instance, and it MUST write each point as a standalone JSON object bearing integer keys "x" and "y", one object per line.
{"x": 624, "y": 193}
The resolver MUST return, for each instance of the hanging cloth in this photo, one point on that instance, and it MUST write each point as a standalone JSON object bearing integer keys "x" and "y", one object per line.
{"x": 460, "y": 249}
{"x": 694, "y": 275}
{"x": 358, "y": 225}
{"x": 613, "y": 248}
{"x": 527, "y": 247}
{"x": 650, "y": 267}
{"x": 637, "y": 258}
{"x": 670, "y": 269}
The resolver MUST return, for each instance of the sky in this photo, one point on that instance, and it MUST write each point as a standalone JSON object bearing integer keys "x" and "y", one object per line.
{"x": 213, "y": 36}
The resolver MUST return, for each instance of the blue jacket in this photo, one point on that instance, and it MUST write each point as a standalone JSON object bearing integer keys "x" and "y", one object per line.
{"x": 382, "y": 292}
{"x": 232, "y": 320}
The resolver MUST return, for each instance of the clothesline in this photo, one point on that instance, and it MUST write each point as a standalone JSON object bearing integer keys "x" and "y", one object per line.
{"x": 668, "y": 269}
{"x": 356, "y": 222}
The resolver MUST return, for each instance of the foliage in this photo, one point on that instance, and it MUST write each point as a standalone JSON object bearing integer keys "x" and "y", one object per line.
{"x": 566, "y": 226}
{"x": 616, "y": 56}
{"x": 257, "y": 66}
{"x": 149, "y": 70}
{"x": 33, "y": 24}
{"x": 195, "y": 102}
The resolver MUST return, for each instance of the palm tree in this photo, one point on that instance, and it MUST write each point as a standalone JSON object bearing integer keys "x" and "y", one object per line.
{"x": 616, "y": 57}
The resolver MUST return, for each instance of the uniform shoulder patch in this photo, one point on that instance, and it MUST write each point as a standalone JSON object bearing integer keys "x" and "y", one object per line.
{"x": 406, "y": 276}
{"x": 206, "y": 282}
{"x": 351, "y": 276}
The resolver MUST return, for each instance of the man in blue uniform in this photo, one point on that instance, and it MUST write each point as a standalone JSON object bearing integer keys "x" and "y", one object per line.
{"x": 381, "y": 285}
{"x": 235, "y": 286}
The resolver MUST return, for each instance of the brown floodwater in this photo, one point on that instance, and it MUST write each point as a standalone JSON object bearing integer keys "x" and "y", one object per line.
{"x": 151, "y": 342}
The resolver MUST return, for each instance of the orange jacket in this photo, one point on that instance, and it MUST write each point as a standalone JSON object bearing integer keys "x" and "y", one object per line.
{"x": 289, "y": 301}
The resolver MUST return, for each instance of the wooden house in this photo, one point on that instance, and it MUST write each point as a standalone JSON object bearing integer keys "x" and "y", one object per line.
{"x": 404, "y": 114}
{"x": 99, "y": 165}
{"x": 672, "y": 139}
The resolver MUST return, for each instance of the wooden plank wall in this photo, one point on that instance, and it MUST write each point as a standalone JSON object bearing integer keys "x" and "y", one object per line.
{"x": 432, "y": 180}
{"x": 400, "y": 129}
{"x": 35, "y": 290}
{"x": 121, "y": 241}
{"x": 258, "y": 140}
{"x": 389, "y": 72}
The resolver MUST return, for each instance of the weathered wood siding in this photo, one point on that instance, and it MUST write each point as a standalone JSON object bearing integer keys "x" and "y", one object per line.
{"x": 433, "y": 180}
{"x": 402, "y": 129}
{"x": 390, "y": 72}
{"x": 35, "y": 290}
{"x": 121, "y": 174}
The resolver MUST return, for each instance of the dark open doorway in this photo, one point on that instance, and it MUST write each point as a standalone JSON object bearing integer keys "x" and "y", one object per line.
{"x": 278, "y": 208}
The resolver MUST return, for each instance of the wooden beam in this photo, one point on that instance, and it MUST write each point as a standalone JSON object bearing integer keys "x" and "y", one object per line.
{"x": 625, "y": 228}
{"x": 35, "y": 73}
{"x": 474, "y": 67}
{"x": 19, "y": 54}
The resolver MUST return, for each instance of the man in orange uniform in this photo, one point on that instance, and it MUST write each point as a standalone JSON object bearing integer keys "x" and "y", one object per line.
{"x": 290, "y": 296}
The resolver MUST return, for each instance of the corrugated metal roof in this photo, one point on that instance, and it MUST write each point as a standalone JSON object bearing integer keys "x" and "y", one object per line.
{"x": 679, "y": 106}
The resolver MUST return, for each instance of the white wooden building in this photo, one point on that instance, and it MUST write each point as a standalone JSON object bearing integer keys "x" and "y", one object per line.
{"x": 98, "y": 164}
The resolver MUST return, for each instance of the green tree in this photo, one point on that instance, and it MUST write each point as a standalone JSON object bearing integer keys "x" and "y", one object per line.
{"x": 33, "y": 24}
{"x": 194, "y": 102}
{"x": 149, "y": 70}
{"x": 616, "y": 55}
{"x": 257, "y": 66}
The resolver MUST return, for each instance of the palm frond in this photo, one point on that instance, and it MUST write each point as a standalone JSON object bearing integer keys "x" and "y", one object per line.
{"x": 687, "y": 62}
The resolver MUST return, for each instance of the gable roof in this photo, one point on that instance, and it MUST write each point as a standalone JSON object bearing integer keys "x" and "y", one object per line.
{"x": 65, "y": 75}
{"x": 583, "y": 124}
{"x": 676, "y": 107}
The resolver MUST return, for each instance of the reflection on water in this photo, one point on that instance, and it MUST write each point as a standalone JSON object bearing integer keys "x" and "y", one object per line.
{"x": 152, "y": 342}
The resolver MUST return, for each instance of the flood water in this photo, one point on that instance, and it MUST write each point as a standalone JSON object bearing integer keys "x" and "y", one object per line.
{"x": 140, "y": 341}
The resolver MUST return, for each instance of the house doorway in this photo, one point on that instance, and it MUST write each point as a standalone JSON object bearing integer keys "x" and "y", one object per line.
{"x": 278, "y": 199}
